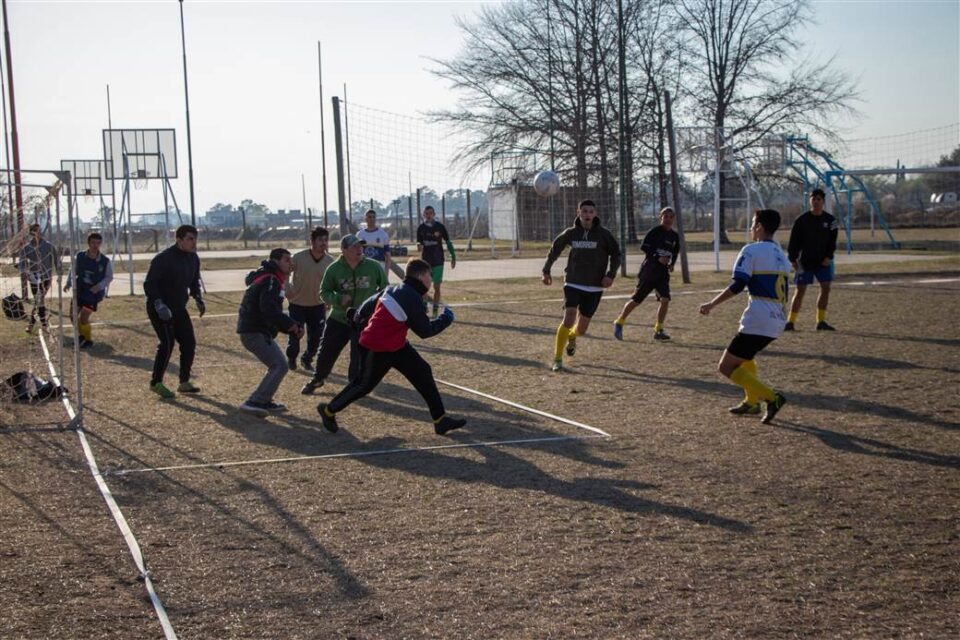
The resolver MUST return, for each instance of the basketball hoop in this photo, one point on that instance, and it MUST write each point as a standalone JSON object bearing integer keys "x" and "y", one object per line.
{"x": 140, "y": 179}
{"x": 88, "y": 195}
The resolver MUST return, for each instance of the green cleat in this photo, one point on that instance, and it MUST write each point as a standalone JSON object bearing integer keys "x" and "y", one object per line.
{"x": 188, "y": 387}
{"x": 557, "y": 365}
{"x": 745, "y": 409}
{"x": 159, "y": 389}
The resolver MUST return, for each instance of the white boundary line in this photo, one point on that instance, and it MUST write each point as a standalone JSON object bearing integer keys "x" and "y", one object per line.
{"x": 118, "y": 517}
{"x": 348, "y": 454}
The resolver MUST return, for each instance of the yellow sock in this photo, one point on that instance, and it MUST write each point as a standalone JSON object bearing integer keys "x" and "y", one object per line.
{"x": 563, "y": 334}
{"x": 751, "y": 367}
{"x": 658, "y": 327}
{"x": 573, "y": 334}
{"x": 751, "y": 385}
{"x": 821, "y": 315}
{"x": 792, "y": 317}
{"x": 86, "y": 331}
{"x": 620, "y": 321}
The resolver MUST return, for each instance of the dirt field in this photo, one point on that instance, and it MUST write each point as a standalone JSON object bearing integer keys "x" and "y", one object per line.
{"x": 838, "y": 521}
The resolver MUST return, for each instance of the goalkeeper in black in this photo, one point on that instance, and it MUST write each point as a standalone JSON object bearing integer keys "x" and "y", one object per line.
{"x": 661, "y": 246}
{"x": 813, "y": 241}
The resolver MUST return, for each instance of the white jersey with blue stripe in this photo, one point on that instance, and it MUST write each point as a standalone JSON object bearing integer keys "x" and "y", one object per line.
{"x": 764, "y": 269}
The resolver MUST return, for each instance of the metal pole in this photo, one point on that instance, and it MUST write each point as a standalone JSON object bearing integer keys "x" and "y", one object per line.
{"x": 675, "y": 184}
{"x": 6, "y": 148}
{"x": 469, "y": 226}
{"x": 76, "y": 316}
{"x": 323, "y": 139}
{"x": 14, "y": 139}
{"x": 716, "y": 199}
{"x": 303, "y": 187}
{"x": 186, "y": 96}
{"x": 622, "y": 169}
{"x": 338, "y": 143}
{"x": 346, "y": 135}
{"x": 113, "y": 193}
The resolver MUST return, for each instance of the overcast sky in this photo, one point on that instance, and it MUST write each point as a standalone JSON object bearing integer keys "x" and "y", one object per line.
{"x": 254, "y": 95}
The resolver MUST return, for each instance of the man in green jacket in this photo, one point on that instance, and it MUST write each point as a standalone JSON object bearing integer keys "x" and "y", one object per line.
{"x": 346, "y": 283}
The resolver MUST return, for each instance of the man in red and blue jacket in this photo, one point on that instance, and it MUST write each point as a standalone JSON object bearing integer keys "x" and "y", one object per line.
{"x": 384, "y": 342}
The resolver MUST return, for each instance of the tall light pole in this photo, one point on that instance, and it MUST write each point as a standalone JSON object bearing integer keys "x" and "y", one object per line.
{"x": 14, "y": 139}
{"x": 186, "y": 96}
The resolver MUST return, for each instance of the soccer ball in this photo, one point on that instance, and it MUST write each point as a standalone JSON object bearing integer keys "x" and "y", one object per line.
{"x": 546, "y": 184}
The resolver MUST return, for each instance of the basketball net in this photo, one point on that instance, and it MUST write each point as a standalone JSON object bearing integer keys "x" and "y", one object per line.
{"x": 140, "y": 184}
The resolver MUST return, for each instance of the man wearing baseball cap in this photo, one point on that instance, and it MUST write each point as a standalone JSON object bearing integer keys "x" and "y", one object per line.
{"x": 347, "y": 282}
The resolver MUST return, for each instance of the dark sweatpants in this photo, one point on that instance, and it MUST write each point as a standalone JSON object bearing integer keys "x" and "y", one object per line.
{"x": 312, "y": 321}
{"x": 336, "y": 335}
{"x": 376, "y": 365}
{"x": 178, "y": 330}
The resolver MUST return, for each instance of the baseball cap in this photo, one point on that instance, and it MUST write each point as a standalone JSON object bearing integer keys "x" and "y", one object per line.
{"x": 349, "y": 240}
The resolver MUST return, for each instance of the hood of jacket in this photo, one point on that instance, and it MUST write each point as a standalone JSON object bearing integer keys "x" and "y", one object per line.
{"x": 267, "y": 267}
{"x": 596, "y": 223}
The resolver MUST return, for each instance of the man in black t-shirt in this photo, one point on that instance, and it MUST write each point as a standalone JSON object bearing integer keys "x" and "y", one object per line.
{"x": 661, "y": 246}
{"x": 813, "y": 241}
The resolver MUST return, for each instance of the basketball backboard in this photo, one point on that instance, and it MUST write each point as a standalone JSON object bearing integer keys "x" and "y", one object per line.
{"x": 141, "y": 154}
{"x": 90, "y": 177}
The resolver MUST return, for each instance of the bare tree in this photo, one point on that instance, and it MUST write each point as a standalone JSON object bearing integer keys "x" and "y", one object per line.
{"x": 746, "y": 79}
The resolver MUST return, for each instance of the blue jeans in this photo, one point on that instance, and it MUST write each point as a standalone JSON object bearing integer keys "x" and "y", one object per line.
{"x": 312, "y": 320}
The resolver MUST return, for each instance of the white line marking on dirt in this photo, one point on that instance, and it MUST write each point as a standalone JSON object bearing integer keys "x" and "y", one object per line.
{"x": 349, "y": 454}
{"x": 118, "y": 517}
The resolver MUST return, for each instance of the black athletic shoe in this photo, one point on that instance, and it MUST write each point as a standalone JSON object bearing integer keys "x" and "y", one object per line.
{"x": 823, "y": 326}
{"x": 310, "y": 387}
{"x": 773, "y": 407}
{"x": 274, "y": 407}
{"x": 745, "y": 409}
{"x": 448, "y": 424}
{"x": 258, "y": 409}
{"x": 660, "y": 335}
{"x": 292, "y": 364}
{"x": 572, "y": 347}
{"x": 85, "y": 344}
{"x": 788, "y": 327}
{"x": 329, "y": 422}
{"x": 305, "y": 365}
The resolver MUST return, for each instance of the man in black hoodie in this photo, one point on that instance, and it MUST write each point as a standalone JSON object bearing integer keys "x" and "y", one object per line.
{"x": 174, "y": 277}
{"x": 591, "y": 267}
{"x": 261, "y": 318}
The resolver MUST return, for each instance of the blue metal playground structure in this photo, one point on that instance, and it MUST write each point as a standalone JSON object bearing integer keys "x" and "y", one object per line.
{"x": 818, "y": 169}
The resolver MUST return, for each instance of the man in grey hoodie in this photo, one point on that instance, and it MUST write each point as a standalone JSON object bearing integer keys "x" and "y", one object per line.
{"x": 38, "y": 261}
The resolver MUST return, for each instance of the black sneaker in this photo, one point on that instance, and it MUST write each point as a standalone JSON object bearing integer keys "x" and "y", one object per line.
{"x": 258, "y": 409}
{"x": 329, "y": 422}
{"x": 305, "y": 365}
{"x": 572, "y": 347}
{"x": 292, "y": 364}
{"x": 788, "y": 327}
{"x": 823, "y": 326}
{"x": 85, "y": 344}
{"x": 447, "y": 424}
{"x": 660, "y": 335}
{"x": 311, "y": 386}
{"x": 773, "y": 407}
{"x": 745, "y": 409}
{"x": 275, "y": 407}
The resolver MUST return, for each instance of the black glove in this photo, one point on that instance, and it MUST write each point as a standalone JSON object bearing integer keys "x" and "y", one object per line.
{"x": 201, "y": 306}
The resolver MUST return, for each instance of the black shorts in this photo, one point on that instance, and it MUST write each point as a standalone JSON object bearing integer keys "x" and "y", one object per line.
{"x": 652, "y": 279}
{"x": 748, "y": 345}
{"x": 585, "y": 301}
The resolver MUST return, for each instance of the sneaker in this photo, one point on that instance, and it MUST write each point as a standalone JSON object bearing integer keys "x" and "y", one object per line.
{"x": 258, "y": 409}
{"x": 745, "y": 409}
{"x": 275, "y": 407}
{"x": 162, "y": 391}
{"x": 618, "y": 331}
{"x": 329, "y": 422}
{"x": 572, "y": 347}
{"x": 310, "y": 387}
{"x": 85, "y": 344}
{"x": 305, "y": 365}
{"x": 188, "y": 387}
{"x": 773, "y": 407}
{"x": 557, "y": 365}
{"x": 823, "y": 326}
{"x": 292, "y": 364}
{"x": 788, "y": 327}
{"x": 660, "y": 335}
{"x": 29, "y": 328}
{"x": 447, "y": 424}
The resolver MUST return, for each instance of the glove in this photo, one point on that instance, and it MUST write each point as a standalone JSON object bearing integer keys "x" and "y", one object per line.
{"x": 162, "y": 310}
{"x": 448, "y": 313}
{"x": 67, "y": 287}
{"x": 201, "y": 306}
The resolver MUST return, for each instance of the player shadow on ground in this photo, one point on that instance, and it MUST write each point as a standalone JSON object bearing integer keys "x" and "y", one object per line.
{"x": 506, "y": 471}
{"x": 533, "y": 331}
{"x": 869, "y": 446}
{"x": 943, "y": 342}
{"x": 142, "y": 488}
{"x": 838, "y": 404}
{"x": 505, "y": 360}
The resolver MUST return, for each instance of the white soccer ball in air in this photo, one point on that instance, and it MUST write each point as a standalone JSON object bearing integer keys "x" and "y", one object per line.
{"x": 546, "y": 184}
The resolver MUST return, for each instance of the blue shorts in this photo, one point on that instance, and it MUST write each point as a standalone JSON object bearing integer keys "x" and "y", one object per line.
{"x": 822, "y": 274}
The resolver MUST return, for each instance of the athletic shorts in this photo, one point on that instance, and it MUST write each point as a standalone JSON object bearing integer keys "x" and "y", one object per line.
{"x": 748, "y": 345}
{"x": 89, "y": 300}
{"x": 436, "y": 274}
{"x": 585, "y": 301}
{"x": 651, "y": 279}
{"x": 822, "y": 274}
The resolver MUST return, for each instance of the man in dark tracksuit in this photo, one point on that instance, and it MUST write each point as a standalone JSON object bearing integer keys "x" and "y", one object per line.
{"x": 813, "y": 241}
{"x": 261, "y": 318}
{"x": 38, "y": 260}
{"x": 661, "y": 246}
{"x": 591, "y": 267}
{"x": 384, "y": 343}
{"x": 174, "y": 277}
